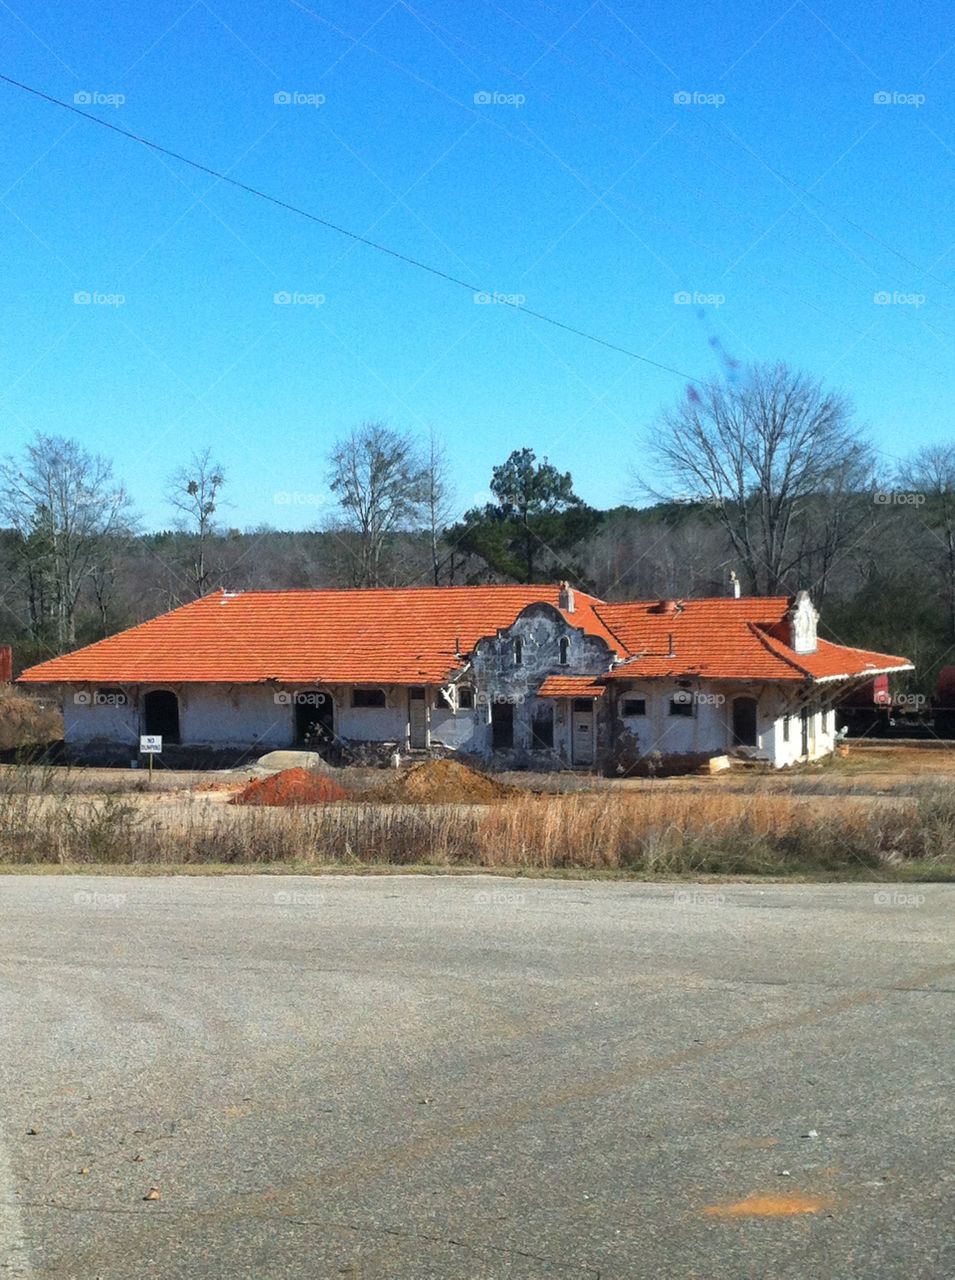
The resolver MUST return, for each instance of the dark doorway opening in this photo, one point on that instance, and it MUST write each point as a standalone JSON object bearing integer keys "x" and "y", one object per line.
{"x": 744, "y": 722}
{"x": 314, "y": 718}
{"x": 542, "y": 726}
{"x": 502, "y": 726}
{"x": 161, "y": 715}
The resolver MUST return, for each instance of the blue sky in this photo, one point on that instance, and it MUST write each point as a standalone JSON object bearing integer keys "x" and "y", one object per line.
{"x": 588, "y": 184}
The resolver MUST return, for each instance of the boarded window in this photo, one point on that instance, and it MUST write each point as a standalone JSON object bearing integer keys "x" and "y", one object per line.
{"x": 368, "y": 697}
{"x": 542, "y": 726}
{"x": 634, "y": 706}
{"x": 502, "y": 726}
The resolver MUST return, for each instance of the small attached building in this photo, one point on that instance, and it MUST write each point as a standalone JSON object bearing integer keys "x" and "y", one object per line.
{"x": 531, "y": 675}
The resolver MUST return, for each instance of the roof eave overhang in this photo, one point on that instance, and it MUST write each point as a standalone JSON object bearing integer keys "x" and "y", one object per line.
{"x": 862, "y": 675}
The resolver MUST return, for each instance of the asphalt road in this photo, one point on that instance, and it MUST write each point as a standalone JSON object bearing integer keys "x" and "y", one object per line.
{"x": 406, "y": 1078}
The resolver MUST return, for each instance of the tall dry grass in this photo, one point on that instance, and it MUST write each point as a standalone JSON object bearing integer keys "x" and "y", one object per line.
{"x": 656, "y": 834}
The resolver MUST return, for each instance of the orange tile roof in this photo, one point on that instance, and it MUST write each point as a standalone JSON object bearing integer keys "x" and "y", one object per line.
{"x": 420, "y": 635}
{"x": 571, "y": 687}
{"x": 387, "y": 636}
{"x": 723, "y": 638}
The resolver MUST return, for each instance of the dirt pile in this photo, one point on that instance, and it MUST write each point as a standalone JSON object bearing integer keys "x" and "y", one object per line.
{"x": 442, "y": 782}
{"x": 289, "y": 788}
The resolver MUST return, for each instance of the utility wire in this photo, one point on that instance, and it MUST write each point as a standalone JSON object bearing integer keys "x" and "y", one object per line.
{"x": 343, "y": 231}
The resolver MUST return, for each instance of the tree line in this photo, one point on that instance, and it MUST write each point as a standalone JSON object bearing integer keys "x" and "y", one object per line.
{"x": 767, "y": 477}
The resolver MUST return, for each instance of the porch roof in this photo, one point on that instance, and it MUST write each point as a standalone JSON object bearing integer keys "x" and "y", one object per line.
{"x": 571, "y": 687}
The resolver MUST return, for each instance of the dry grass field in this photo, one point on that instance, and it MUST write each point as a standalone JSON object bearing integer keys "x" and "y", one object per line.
{"x": 883, "y": 812}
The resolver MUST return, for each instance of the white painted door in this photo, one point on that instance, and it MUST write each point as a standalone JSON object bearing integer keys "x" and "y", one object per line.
{"x": 582, "y": 730}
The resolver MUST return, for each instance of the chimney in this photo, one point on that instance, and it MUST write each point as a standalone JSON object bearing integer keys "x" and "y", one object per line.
{"x": 6, "y": 664}
{"x": 734, "y": 581}
{"x": 566, "y": 598}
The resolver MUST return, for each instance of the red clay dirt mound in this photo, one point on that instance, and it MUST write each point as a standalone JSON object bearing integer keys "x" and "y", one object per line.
{"x": 443, "y": 782}
{"x": 291, "y": 787}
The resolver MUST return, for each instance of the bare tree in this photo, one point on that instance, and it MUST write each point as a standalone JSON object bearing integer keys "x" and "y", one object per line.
{"x": 193, "y": 492}
{"x": 438, "y": 500}
{"x": 67, "y": 511}
{"x": 762, "y": 452}
{"x": 929, "y": 474}
{"x": 380, "y": 481}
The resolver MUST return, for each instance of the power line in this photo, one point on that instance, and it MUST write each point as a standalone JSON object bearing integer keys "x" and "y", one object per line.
{"x": 351, "y": 235}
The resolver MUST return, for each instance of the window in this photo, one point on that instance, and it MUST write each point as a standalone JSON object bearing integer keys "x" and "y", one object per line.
{"x": 786, "y": 720}
{"x": 824, "y": 721}
{"x": 681, "y": 704}
{"x": 368, "y": 697}
{"x": 542, "y": 727}
{"x": 562, "y": 647}
{"x": 502, "y": 726}
{"x": 465, "y": 698}
{"x": 518, "y": 652}
{"x": 634, "y": 707}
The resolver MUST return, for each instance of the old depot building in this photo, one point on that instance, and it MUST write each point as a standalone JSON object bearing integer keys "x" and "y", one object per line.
{"x": 538, "y": 675}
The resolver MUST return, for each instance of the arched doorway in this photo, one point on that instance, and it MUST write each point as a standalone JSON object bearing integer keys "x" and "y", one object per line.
{"x": 161, "y": 715}
{"x": 744, "y": 722}
{"x": 314, "y": 718}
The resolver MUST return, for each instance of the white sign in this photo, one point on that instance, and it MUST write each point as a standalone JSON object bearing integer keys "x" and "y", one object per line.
{"x": 150, "y": 744}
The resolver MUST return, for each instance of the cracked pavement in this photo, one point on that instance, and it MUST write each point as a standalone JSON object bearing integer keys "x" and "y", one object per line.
{"x": 469, "y": 1077}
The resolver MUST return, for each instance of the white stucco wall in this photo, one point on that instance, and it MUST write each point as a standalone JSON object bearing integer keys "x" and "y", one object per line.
{"x": 459, "y": 730}
{"x": 710, "y": 728}
{"x": 236, "y": 715}
{"x": 90, "y": 715}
